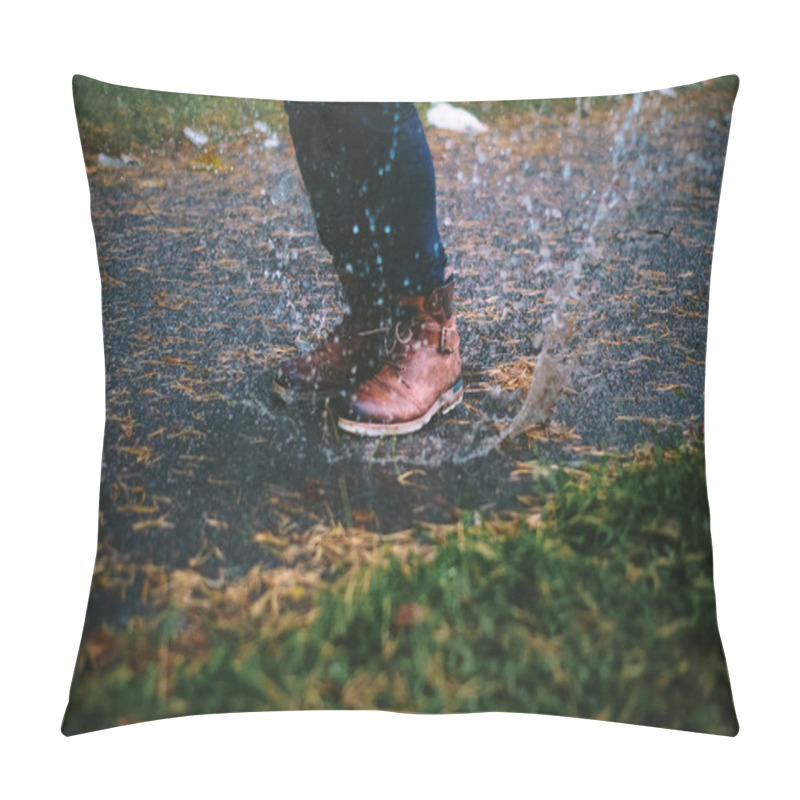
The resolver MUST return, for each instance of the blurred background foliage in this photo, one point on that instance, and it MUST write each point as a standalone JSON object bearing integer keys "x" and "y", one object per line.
{"x": 114, "y": 118}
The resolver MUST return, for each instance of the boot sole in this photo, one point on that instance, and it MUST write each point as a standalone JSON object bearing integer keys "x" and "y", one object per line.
{"x": 445, "y": 403}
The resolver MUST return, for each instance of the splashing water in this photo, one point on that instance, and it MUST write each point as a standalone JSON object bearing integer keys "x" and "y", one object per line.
{"x": 554, "y": 363}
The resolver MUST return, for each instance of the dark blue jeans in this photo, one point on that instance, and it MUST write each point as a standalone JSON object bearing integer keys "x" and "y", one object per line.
{"x": 369, "y": 175}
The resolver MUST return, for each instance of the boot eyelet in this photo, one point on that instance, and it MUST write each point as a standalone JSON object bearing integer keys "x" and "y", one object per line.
{"x": 403, "y": 333}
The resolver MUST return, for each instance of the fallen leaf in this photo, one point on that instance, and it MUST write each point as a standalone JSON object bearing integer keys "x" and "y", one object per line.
{"x": 409, "y": 614}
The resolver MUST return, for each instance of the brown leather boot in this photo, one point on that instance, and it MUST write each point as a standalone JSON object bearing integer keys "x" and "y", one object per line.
{"x": 347, "y": 356}
{"x": 420, "y": 375}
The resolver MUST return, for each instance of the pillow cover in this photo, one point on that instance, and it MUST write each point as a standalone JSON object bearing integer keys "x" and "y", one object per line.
{"x": 484, "y": 488}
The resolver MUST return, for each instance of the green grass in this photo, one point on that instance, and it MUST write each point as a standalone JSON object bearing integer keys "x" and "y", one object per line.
{"x": 604, "y": 608}
{"x": 113, "y": 119}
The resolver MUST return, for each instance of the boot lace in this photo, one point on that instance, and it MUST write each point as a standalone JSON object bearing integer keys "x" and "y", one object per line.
{"x": 398, "y": 351}
{"x": 349, "y": 328}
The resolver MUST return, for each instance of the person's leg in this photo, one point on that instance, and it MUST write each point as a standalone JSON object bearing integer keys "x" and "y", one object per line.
{"x": 387, "y": 229}
{"x": 369, "y": 175}
{"x": 351, "y": 353}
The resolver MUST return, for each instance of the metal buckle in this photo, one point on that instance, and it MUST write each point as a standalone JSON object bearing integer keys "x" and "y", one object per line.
{"x": 443, "y": 345}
